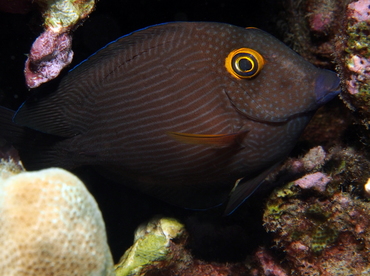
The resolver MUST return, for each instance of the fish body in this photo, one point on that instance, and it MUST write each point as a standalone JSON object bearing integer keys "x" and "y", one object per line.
{"x": 161, "y": 107}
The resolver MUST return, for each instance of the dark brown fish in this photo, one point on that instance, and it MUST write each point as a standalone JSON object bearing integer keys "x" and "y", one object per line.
{"x": 184, "y": 109}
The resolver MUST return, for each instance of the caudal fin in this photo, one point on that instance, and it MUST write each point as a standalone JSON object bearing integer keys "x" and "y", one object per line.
{"x": 36, "y": 150}
{"x": 9, "y": 130}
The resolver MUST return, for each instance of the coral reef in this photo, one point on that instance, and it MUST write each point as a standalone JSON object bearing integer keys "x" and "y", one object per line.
{"x": 51, "y": 51}
{"x": 50, "y": 225}
{"x": 353, "y": 59}
{"x": 323, "y": 223}
{"x": 315, "y": 234}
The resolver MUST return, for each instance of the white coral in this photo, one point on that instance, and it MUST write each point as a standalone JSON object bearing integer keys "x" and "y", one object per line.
{"x": 51, "y": 225}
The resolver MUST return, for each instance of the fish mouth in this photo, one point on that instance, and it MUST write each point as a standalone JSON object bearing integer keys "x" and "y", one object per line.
{"x": 327, "y": 86}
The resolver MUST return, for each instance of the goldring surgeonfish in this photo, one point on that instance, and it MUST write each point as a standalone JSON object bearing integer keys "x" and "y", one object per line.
{"x": 191, "y": 111}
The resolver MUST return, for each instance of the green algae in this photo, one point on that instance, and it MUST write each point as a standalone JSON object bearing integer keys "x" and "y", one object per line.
{"x": 358, "y": 39}
{"x": 151, "y": 245}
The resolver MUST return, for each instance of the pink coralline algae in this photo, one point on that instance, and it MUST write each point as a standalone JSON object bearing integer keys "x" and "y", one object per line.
{"x": 361, "y": 68}
{"x": 317, "y": 181}
{"x": 50, "y": 53}
{"x": 360, "y": 10}
{"x": 359, "y": 62}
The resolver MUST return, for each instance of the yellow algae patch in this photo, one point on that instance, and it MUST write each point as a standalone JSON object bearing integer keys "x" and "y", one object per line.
{"x": 61, "y": 15}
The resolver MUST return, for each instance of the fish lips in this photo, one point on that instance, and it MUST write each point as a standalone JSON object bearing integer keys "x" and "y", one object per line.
{"x": 327, "y": 86}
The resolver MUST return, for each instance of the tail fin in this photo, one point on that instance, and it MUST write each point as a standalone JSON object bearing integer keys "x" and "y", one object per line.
{"x": 9, "y": 130}
{"x": 36, "y": 150}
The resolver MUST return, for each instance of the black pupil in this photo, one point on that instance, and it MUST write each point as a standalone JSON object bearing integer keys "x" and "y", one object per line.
{"x": 245, "y": 64}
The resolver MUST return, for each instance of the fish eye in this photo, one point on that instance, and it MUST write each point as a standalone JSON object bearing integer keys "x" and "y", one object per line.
{"x": 244, "y": 63}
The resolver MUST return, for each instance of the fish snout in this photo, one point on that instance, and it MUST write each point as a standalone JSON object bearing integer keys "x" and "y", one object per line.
{"x": 327, "y": 86}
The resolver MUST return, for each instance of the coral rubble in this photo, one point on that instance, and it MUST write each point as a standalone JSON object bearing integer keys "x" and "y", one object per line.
{"x": 50, "y": 225}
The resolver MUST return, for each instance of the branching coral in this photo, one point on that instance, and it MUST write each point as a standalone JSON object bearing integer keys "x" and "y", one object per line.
{"x": 50, "y": 225}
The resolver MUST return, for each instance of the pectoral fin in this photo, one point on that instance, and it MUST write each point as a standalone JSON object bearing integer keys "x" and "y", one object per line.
{"x": 244, "y": 189}
{"x": 216, "y": 140}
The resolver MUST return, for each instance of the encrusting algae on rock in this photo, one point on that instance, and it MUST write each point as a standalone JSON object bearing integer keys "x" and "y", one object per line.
{"x": 352, "y": 55}
{"x": 50, "y": 225}
{"x": 323, "y": 225}
{"x": 151, "y": 244}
